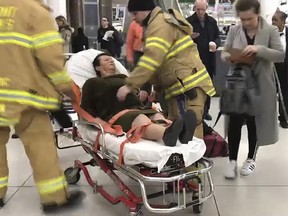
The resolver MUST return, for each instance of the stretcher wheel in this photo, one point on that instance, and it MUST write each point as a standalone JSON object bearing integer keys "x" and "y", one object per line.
{"x": 72, "y": 175}
{"x": 138, "y": 213}
{"x": 197, "y": 209}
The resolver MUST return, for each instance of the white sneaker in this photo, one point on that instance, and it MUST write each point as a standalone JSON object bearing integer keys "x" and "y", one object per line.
{"x": 231, "y": 170}
{"x": 248, "y": 167}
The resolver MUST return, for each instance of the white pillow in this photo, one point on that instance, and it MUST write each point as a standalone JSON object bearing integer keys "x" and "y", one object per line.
{"x": 80, "y": 67}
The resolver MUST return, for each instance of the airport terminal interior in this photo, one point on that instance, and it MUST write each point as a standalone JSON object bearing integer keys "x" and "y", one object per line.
{"x": 263, "y": 193}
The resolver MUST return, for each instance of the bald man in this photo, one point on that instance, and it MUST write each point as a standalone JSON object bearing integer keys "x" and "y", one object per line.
{"x": 206, "y": 36}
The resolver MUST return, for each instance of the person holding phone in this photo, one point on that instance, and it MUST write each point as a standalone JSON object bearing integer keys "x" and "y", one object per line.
{"x": 206, "y": 36}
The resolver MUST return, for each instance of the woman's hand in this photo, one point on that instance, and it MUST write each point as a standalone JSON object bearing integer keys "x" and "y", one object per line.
{"x": 123, "y": 92}
{"x": 249, "y": 51}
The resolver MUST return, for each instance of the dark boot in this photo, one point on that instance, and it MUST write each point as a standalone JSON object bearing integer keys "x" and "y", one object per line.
{"x": 14, "y": 136}
{"x": 284, "y": 124}
{"x": 208, "y": 117}
{"x": 190, "y": 124}
{"x": 1, "y": 203}
{"x": 171, "y": 134}
{"x": 75, "y": 199}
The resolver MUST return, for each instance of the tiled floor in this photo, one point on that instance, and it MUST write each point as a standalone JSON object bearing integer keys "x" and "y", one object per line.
{"x": 265, "y": 193}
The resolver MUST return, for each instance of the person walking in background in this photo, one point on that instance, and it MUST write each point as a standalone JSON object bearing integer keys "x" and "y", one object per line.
{"x": 256, "y": 38}
{"x": 66, "y": 32}
{"x": 79, "y": 41}
{"x": 109, "y": 38}
{"x": 134, "y": 44}
{"x": 134, "y": 50}
{"x": 206, "y": 36}
{"x": 279, "y": 19}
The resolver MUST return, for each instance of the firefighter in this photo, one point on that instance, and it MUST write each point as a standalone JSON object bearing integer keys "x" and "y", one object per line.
{"x": 171, "y": 62}
{"x": 32, "y": 79}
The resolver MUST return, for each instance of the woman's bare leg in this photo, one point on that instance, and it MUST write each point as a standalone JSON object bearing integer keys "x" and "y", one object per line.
{"x": 153, "y": 131}
{"x": 158, "y": 132}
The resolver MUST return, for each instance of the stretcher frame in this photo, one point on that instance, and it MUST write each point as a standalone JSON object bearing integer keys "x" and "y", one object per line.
{"x": 174, "y": 179}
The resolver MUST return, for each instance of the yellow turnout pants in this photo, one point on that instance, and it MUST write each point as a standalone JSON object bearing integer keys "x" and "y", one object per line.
{"x": 36, "y": 133}
{"x": 197, "y": 105}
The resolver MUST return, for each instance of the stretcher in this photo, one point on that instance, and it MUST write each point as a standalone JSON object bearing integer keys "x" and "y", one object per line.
{"x": 181, "y": 171}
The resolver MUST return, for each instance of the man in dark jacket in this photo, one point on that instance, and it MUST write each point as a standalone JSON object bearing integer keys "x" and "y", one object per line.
{"x": 206, "y": 36}
{"x": 279, "y": 19}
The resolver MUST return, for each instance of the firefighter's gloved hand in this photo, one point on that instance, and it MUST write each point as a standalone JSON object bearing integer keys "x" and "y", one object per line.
{"x": 123, "y": 92}
{"x": 70, "y": 95}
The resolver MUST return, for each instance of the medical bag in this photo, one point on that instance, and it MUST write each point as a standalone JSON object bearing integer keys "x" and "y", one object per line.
{"x": 216, "y": 145}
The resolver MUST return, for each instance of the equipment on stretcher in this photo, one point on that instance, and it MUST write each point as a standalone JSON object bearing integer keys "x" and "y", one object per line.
{"x": 177, "y": 169}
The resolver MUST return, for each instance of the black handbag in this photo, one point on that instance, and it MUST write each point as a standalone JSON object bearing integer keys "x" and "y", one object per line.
{"x": 240, "y": 95}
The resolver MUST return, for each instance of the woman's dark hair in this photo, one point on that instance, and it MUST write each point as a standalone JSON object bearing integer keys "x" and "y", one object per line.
{"x": 80, "y": 31}
{"x": 104, "y": 17}
{"x": 245, "y": 5}
{"x": 96, "y": 62}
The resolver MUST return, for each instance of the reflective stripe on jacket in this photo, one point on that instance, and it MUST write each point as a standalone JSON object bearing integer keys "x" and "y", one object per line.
{"x": 31, "y": 57}
{"x": 171, "y": 60}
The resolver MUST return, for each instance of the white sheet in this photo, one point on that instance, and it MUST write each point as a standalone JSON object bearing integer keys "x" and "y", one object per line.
{"x": 80, "y": 67}
{"x": 150, "y": 153}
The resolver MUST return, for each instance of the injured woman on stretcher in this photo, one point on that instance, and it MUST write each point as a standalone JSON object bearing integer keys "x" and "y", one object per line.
{"x": 99, "y": 100}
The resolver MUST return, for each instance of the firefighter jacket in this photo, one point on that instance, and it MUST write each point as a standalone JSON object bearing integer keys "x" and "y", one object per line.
{"x": 171, "y": 60}
{"x": 31, "y": 57}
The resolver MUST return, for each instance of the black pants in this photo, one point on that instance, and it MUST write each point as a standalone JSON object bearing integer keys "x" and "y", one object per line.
{"x": 208, "y": 101}
{"x": 234, "y": 135}
{"x": 283, "y": 79}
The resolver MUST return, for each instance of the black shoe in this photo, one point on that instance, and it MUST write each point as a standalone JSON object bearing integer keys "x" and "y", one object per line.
{"x": 208, "y": 117}
{"x": 15, "y": 136}
{"x": 1, "y": 203}
{"x": 190, "y": 124}
{"x": 75, "y": 198}
{"x": 171, "y": 134}
{"x": 284, "y": 124}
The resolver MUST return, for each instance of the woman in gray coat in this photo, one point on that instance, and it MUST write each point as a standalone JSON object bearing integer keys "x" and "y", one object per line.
{"x": 256, "y": 38}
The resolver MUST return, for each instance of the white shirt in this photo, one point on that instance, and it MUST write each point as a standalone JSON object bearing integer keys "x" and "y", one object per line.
{"x": 283, "y": 39}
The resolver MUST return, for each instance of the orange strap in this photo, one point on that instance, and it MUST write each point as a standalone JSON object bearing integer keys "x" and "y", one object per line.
{"x": 119, "y": 114}
{"x": 115, "y": 130}
{"x": 133, "y": 136}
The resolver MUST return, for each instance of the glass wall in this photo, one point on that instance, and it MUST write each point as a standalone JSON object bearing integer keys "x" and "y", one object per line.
{"x": 91, "y": 20}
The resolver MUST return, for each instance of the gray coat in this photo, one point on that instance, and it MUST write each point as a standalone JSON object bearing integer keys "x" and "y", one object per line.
{"x": 270, "y": 50}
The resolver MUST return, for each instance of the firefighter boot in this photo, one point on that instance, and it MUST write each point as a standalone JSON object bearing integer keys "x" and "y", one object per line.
{"x": 1, "y": 203}
{"x": 73, "y": 200}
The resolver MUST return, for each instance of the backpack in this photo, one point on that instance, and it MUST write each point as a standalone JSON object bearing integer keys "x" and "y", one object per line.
{"x": 240, "y": 95}
{"x": 216, "y": 146}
